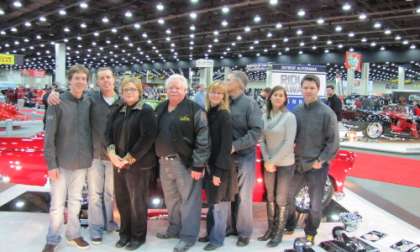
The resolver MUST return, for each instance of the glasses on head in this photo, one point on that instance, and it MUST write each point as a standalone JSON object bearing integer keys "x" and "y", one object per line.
{"x": 129, "y": 90}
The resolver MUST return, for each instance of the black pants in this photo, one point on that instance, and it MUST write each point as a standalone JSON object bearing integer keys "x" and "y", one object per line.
{"x": 315, "y": 180}
{"x": 131, "y": 193}
{"x": 277, "y": 184}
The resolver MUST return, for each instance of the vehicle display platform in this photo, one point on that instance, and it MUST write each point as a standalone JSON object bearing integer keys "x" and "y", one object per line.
{"x": 26, "y": 231}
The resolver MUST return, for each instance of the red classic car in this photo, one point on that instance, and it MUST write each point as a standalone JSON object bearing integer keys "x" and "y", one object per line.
{"x": 22, "y": 162}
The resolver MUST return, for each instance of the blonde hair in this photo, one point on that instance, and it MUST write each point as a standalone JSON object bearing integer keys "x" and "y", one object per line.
{"x": 135, "y": 81}
{"x": 218, "y": 86}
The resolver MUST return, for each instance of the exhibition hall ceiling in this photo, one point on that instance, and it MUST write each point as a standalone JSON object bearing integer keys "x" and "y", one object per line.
{"x": 118, "y": 32}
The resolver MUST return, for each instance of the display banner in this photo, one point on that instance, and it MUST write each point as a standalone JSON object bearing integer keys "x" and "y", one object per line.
{"x": 290, "y": 76}
{"x": 353, "y": 61}
{"x": 33, "y": 73}
{"x": 7, "y": 59}
{"x": 204, "y": 63}
{"x": 257, "y": 67}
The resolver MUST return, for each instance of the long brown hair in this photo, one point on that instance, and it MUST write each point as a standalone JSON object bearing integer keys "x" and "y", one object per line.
{"x": 270, "y": 105}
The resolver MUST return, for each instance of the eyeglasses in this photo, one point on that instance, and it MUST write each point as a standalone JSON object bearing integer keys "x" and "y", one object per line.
{"x": 216, "y": 93}
{"x": 127, "y": 90}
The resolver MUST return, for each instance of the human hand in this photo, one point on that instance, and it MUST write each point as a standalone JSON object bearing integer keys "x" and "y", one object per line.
{"x": 269, "y": 167}
{"x": 216, "y": 181}
{"x": 196, "y": 175}
{"x": 53, "y": 98}
{"x": 53, "y": 174}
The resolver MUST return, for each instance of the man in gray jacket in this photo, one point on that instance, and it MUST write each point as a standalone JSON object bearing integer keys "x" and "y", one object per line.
{"x": 316, "y": 144}
{"x": 68, "y": 151}
{"x": 247, "y": 127}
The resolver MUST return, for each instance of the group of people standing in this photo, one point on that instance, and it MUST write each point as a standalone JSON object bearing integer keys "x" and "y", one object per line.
{"x": 118, "y": 141}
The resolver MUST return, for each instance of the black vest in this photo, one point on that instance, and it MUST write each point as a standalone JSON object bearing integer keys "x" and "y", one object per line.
{"x": 182, "y": 128}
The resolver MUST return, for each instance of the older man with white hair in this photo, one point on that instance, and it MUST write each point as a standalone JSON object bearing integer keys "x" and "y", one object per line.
{"x": 183, "y": 149}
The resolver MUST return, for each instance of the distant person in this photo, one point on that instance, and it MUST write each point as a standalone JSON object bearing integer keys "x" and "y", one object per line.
{"x": 334, "y": 102}
{"x": 200, "y": 96}
{"x": 262, "y": 98}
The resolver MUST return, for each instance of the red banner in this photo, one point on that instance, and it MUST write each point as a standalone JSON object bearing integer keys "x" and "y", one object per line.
{"x": 353, "y": 61}
{"x": 33, "y": 72}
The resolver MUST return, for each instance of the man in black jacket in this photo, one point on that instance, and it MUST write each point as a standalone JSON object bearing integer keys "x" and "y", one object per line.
{"x": 334, "y": 102}
{"x": 182, "y": 146}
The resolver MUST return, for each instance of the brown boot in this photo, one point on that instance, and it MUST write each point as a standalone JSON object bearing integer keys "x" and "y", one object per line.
{"x": 271, "y": 217}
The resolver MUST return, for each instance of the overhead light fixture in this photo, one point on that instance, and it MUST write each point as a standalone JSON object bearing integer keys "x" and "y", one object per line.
{"x": 338, "y": 28}
{"x": 17, "y": 4}
{"x": 83, "y": 25}
{"x": 161, "y": 21}
{"x": 346, "y": 7}
{"x": 225, "y": 10}
{"x": 351, "y": 34}
{"x": 398, "y": 37}
{"x": 257, "y": 19}
{"x": 42, "y": 19}
{"x": 362, "y": 16}
{"x": 2, "y": 12}
{"x": 301, "y": 13}
{"x": 279, "y": 26}
{"x": 105, "y": 20}
{"x": 405, "y": 42}
{"x": 320, "y": 21}
{"x": 192, "y": 28}
{"x": 377, "y": 25}
{"x": 364, "y": 40}
{"x": 387, "y": 31}
{"x": 274, "y": 2}
{"x": 224, "y": 23}
{"x": 62, "y": 12}
{"x": 314, "y": 37}
{"x": 269, "y": 35}
{"x": 299, "y": 32}
{"x": 247, "y": 29}
{"x": 83, "y": 5}
{"x": 137, "y": 26}
{"x": 13, "y": 29}
{"x": 128, "y": 14}
{"x": 382, "y": 48}
{"x": 413, "y": 46}
{"x": 286, "y": 39}
{"x": 193, "y": 15}
{"x": 28, "y": 24}
{"x": 373, "y": 44}
{"x": 160, "y": 7}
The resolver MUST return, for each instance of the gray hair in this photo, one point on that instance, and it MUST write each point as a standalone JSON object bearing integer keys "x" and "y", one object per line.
{"x": 178, "y": 77}
{"x": 241, "y": 77}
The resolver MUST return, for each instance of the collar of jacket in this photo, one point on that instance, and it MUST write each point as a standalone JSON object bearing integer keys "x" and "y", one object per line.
{"x": 115, "y": 96}
{"x": 138, "y": 106}
{"x": 72, "y": 98}
{"x": 312, "y": 104}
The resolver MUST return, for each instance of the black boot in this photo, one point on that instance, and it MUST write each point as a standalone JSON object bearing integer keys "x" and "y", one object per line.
{"x": 279, "y": 228}
{"x": 271, "y": 217}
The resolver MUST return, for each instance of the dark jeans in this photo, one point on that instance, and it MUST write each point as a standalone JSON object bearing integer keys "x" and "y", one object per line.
{"x": 182, "y": 199}
{"x": 277, "y": 184}
{"x": 315, "y": 180}
{"x": 217, "y": 221}
{"x": 131, "y": 194}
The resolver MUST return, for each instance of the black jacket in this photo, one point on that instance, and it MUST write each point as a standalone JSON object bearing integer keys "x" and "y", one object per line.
{"x": 220, "y": 161}
{"x": 335, "y": 104}
{"x": 189, "y": 133}
{"x": 133, "y": 130}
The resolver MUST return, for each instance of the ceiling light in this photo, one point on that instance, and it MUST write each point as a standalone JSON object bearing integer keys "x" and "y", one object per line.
{"x": 225, "y": 10}
{"x": 274, "y": 2}
{"x": 137, "y": 26}
{"x": 192, "y": 28}
{"x": 413, "y": 46}
{"x": 28, "y": 24}
{"x": 387, "y": 31}
{"x": 17, "y": 4}
{"x": 314, "y": 37}
{"x": 300, "y": 52}
{"x": 279, "y": 26}
{"x": 320, "y": 21}
{"x": 2, "y": 12}
{"x": 224, "y": 23}
{"x": 160, "y": 7}
{"x": 96, "y": 34}
{"x": 42, "y": 19}
{"x": 418, "y": 10}
{"x": 338, "y": 28}
{"x": 301, "y": 44}
{"x": 128, "y": 14}
{"x": 346, "y": 7}
{"x": 247, "y": 29}
{"x": 114, "y": 30}
{"x": 238, "y": 37}
{"x": 273, "y": 46}
{"x": 83, "y": 5}
{"x": 363, "y": 39}
{"x": 398, "y": 37}
{"x": 13, "y": 29}
{"x": 351, "y": 34}
{"x": 405, "y": 42}
{"x": 66, "y": 29}
{"x": 377, "y": 25}
{"x": 83, "y": 25}
{"x": 193, "y": 15}
{"x": 326, "y": 51}
{"x": 314, "y": 47}
{"x": 287, "y": 49}
{"x": 299, "y": 32}
{"x": 301, "y": 13}
{"x": 216, "y": 33}
{"x": 382, "y": 48}
{"x": 161, "y": 21}
{"x": 286, "y": 39}
{"x": 340, "y": 46}
{"x": 329, "y": 42}
{"x": 257, "y": 19}
{"x": 362, "y": 16}
{"x": 269, "y": 35}
{"x": 373, "y": 44}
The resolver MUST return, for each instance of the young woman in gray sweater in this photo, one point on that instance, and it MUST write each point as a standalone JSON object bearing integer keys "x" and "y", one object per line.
{"x": 277, "y": 149}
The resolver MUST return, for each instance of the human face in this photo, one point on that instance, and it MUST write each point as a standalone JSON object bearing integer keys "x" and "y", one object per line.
{"x": 176, "y": 91}
{"x": 232, "y": 84}
{"x": 130, "y": 94}
{"x": 216, "y": 98}
{"x": 106, "y": 81}
{"x": 78, "y": 84}
{"x": 309, "y": 91}
{"x": 330, "y": 92}
{"x": 278, "y": 99}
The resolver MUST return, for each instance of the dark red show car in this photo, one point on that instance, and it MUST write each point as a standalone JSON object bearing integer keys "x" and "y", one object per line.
{"x": 22, "y": 162}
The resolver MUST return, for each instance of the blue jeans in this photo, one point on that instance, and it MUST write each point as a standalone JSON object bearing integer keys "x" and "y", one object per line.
{"x": 69, "y": 184}
{"x": 242, "y": 217}
{"x": 315, "y": 180}
{"x": 219, "y": 214}
{"x": 101, "y": 195}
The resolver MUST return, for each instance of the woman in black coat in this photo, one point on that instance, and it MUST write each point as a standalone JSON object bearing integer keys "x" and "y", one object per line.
{"x": 221, "y": 179}
{"x": 131, "y": 132}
